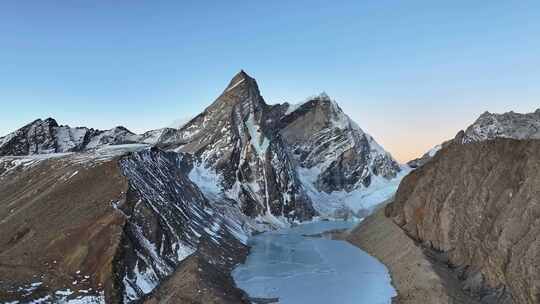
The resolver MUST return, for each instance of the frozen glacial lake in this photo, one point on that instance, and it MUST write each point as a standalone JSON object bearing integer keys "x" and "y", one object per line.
{"x": 296, "y": 269}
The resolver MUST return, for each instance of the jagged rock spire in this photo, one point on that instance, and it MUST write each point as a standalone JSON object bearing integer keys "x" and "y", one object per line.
{"x": 241, "y": 80}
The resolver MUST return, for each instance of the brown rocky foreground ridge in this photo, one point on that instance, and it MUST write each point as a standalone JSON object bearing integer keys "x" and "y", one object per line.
{"x": 76, "y": 227}
{"x": 417, "y": 274}
{"x": 477, "y": 206}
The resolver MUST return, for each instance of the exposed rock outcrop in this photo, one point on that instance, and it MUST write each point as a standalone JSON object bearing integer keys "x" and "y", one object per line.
{"x": 109, "y": 227}
{"x": 507, "y": 125}
{"x": 282, "y": 160}
{"x": 169, "y": 217}
{"x": 478, "y": 203}
{"x": 418, "y": 276}
{"x": 490, "y": 126}
{"x": 46, "y": 136}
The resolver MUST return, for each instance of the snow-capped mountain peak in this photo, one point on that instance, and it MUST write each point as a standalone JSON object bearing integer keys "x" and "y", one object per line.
{"x": 44, "y": 136}
{"x": 507, "y": 125}
{"x": 273, "y": 160}
{"x": 258, "y": 151}
{"x": 489, "y": 126}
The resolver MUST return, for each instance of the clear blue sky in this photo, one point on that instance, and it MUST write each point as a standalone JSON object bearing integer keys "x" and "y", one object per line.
{"x": 412, "y": 73}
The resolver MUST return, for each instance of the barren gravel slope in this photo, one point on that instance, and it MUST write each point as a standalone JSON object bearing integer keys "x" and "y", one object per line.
{"x": 418, "y": 278}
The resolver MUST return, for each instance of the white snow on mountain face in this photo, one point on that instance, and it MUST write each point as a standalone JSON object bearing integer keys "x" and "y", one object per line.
{"x": 64, "y": 297}
{"x": 163, "y": 192}
{"x": 6, "y": 138}
{"x": 112, "y": 136}
{"x": 258, "y": 140}
{"x": 340, "y": 166}
{"x": 490, "y": 126}
{"x": 151, "y": 137}
{"x": 507, "y": 125}
{"x": 361, "y": 199}
{"x": 68, "y": 138}
{"x": 206, "y": 179}
{"x": 293, "y": 107}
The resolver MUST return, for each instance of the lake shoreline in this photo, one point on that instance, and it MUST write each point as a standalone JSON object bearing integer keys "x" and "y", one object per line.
{"x": 417, "y": 277}
{"x": 309, "y": 264}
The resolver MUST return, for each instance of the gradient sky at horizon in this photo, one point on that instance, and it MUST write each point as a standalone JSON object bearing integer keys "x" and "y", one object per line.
{"x": 411, "y": 73}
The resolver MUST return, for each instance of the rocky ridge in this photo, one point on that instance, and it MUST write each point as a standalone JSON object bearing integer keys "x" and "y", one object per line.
{"x": 282, "y": 160}
{"x": 489, "y": 126}
{"x": 43, "y": 136}
{"x": 475, "y": 202}
{"x": 123, "y": 223}
{"x": 507, "y": 125}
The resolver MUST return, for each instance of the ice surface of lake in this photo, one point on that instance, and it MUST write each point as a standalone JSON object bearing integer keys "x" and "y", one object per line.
{"x": 296, "y": 269}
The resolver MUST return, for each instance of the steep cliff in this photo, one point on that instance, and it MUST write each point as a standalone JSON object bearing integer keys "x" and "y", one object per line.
{"x": 285, "y": 161}
{"x": 478, "y": 203}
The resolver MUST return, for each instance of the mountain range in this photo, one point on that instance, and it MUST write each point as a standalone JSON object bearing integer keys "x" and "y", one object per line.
{"x": 141, "y": 208}
{"x": 93, "y": 216}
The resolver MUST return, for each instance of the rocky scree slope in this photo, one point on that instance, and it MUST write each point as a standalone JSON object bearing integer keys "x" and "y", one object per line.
{"x": 116, "y": 227}
{"x": 477, "y": 202}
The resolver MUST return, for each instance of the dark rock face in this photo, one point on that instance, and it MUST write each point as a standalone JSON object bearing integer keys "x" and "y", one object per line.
{"x": 168, "y": 218}
{"x": 490, "y": 126}
{"x": 323, "y": 137}
{"x": 235, "y": 137}
{"x": 257, "y": 150}
{"x": 36, "y": 137}
{"x": 478, "y": 203}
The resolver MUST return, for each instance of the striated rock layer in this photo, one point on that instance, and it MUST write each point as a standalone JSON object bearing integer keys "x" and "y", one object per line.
{"x": 285, "y": 161}
{"x": 418, "y": 276}
{"x": 479, "y": 204}
{"x": 97, "y": 227}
